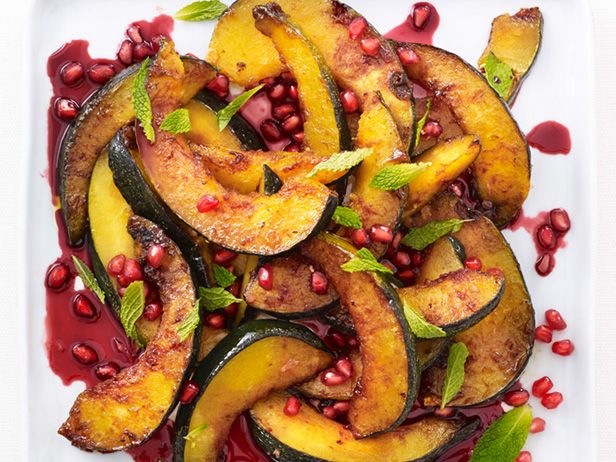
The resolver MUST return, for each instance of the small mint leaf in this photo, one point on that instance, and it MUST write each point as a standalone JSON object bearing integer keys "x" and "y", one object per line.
{"x": 397, "y": 176}
{"x": 141, "y": 101}
{"x": 201, "y": 11}
{"x": 420, "y": 238}
{"x": 341, "y": 161}
{"x": 176, "y": 122}
{"x": 131, "y": 309}
{"x": 418, "y": 324}
{"x": 88, "y": 278}
{"x": 194, "y": 433}
{"x": 224, "y": 277}
{"x": 190, "y": 322}
{"x": 422, "y": 121}
{"x": 454, "y": 378}
{"x": 348, "y": 217}
{"x": 365, "y": 261}
{"x": 223, "y": 117}
{"x": 215, "y": 298}
{"x": 499, "y": 75}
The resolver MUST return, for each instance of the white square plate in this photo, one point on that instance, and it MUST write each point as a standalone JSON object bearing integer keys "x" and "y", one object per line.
{"x": 558, "y": 88}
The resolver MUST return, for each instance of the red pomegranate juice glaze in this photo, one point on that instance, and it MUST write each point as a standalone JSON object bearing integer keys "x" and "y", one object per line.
{"x": 159, "y": 448}
{"x": 550, "y": 138}
{"x": 258, "y": 109}
{"x": 407, "y": 32}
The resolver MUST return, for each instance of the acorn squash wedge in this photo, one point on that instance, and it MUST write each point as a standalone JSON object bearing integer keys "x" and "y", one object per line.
{"x": 247, "y": 365}
{"x": 103, "y": 418}
{"x": 311, "y": 437}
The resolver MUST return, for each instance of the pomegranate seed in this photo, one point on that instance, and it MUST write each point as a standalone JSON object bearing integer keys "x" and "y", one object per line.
{"x": 134, "y": 33}
{"x": 416, "y": 258}
{"x": 344, "y": 366}
{"x": 445, "y": 412}
{"x": 270, "y": 130}
{"x": 132, "y": 271}
{"x": 150, "y": 292}
{"x": 524, "y": 456}
{"x": 401, "y": 259}
{"x": 371, "y": 46}
{"x": 268, "y": 82}
{"x": 152, "y": 311}
{"x": 215, "y": 320}
{"x": 516, "y": 398}
{"x": 473, "y": 264}
{"x": 349, "y": 100}
{"x": 266, "y": 277}
{"x": 278, "y": 92}
{"x": 407, "y": 56}
{"x": 457, "y": 187}
{"x": 341, "y": 407}
{"x": 155, "y": 256}
{"x": 83, "y": 307}
{"x": 357, "y": 27}
{"x": 559, "y": 219}
{"x": 293, "y": 92}
{"x": 219, "y": 85}
{"x": 72, "y": 73}
{"x": 421, "y": 15}
{"x": 381, "y": 233}
{"x": 207, "y": 203}
{"x": 543, "y": 265}
{"x": 330, "y": 412}
{"x": 543, "y": 334}
{"x": 231, "y": 310}
{"x": 116, "y": 265}
{"x": 281, "y": 111}
{"x": 224, "y": 256}
{"x": 563, "y": 347}
{"x": 407, "y": 276}
{"x": 292, "y": 407}
{"x": 319, "y": 283}
{"x": 335, "y": 340}
{"x": 125, "y": 53}
{"x": 542, "y": 386}
{"x": 396, "y": 242}
{"x": 432, "y": 129}
{"x": 389, "y": 265}
{"x": 298, "y": 137}
{"x": 555, "y": 320}
{"x": 332, "y": 378}
{"x": 552, "y": 400}
{"x": 142, "y": 51}
{"x": 106, "y": 371}
{"x": 352, "y": 341}
{"x": 293, "y": 147}
{"x": 101, "y": 73}
{"x": 57, "y": 275}
{"x": 537, "y": 425}
{"x": 360, "y": 238}
{"x": 287, "y": 76}
{"x": 235, "y": 287}
{"x": 496, "y": 272}
{"x": 66, "y": 109}
{"x": 291, "y": 124}
{"x": 85, "y": 354}
{"x": 189, "y": 392}
{"x": 546, "y": 237}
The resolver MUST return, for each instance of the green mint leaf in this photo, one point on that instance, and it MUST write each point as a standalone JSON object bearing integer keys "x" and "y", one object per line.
{"x": 505, "y": 437}
{"x": 454, "y": 378}
{"x": 420, "y": 238}
{"x": 190, "y": 322}
{"x": 141, "y": 100}
{"x": 365, "y": 261}
{"x": 422, "y": 121}
{"x": 176, "y": 122}
{"x": 499, "y": 75}
{"x": 396, "y": 176}
{"x": 194, "y": 433}
{"x": 224, "y": 277}
{"x": 341, "y": 161}
{"x": 348, "y": 217}
{"x": 223, "y": 117}
{"x": 418, "y": 324}
{"x": 215, "y": 298}
{"x": 88, "y": 278}
{"x": 201, "y": 11}
{"x": 131, "y": 308}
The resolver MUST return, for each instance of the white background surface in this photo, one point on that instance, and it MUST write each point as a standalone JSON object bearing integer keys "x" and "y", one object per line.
{"x": 12, "y": 391}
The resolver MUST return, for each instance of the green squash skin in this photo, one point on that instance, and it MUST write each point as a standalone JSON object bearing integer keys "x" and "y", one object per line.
{"x": 102, "y": 278}
{"x": 234, "y": 343}
{"x": 271, "y": 182}
{"x": 458, "y": 248}
{"x": 280, "y": 452}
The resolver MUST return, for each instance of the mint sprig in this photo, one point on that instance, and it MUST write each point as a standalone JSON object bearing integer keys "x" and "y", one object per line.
{"x": 505, "y": 437}
{"x": 454, "y": 378}
{"x": 396, "y": 176}
{"x": 365, "y": 261}
{"x": 223, "y": 117}
{"x": 141, "y": 100}
{"x": 348, "y": 217}
{"x": 418, "y": 324}
{"x": 176, "y": 122}
{"x": 422, "y": 122}
{"x": 224, "y": 277}
{"x": 131, "y": 309}
{"x": 201, "y": 11}
{"x": 499, "y": 75}
{"x": 190, "y": 322}
{"x": 341, "y": 161}
{"x": 422, "y": 237}
{"x": 215, "y": 298}
{"x": 88, "y": 278}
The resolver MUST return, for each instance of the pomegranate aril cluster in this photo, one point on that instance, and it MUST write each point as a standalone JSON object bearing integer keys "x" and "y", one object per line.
{"x": 544, "y": 333}
{"x": 134, "y": 48}
{"x": 548, "y": 235}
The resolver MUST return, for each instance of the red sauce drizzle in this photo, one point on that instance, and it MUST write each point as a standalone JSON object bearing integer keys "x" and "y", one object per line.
{"x": 159, "y": 448}
{"x": 408, "y": 32}
{"x": 550, "y": 138}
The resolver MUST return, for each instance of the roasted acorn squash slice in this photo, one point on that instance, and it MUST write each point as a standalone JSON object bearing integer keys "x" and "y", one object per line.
{"x": 247, "y": 365}
{"x": 104, "y": 417}
{"x": 311, "y": 437}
